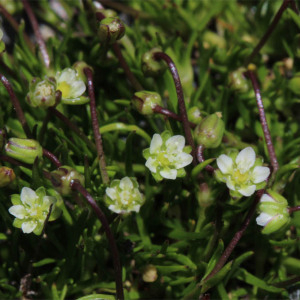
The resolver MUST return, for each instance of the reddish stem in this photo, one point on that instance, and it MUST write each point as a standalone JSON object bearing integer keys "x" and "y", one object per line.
{"x": 263, "y": 122}
{"x": 181, "y": 103}
{"x": 16, "y": 105}
{"x": 52, "y": 157}
{"x": 98, "y": 139}
{"x": 201, "y": 159}
{"x": 293, "y": 209}
{"x": 272, "y": 26}
{"x": 238, "y": 235}
{"x": 37, "y": 33}
{"x": 75, "y": 185}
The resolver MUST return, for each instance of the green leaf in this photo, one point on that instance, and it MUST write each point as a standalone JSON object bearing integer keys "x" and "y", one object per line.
{"x": 43, "y": 262}
{"x": 97, "y": 297}
{"x": 200, "y": 167}
{"x": 128, "y": 154}
{"x": 215, "y": 257}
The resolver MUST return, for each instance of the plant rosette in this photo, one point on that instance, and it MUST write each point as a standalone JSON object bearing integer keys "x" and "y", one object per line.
{"x": 167, "y": 156}
{"x": 242, "y": 172}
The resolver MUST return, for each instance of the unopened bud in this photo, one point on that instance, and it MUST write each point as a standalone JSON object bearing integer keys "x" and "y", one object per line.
{"x": 204, "y": 196}
{"x": 150, "y": 66}
{"x": 209, "y": 132}
{"x": 62, "y": 177}
{"x": 7, "y": 175}
{"x": 294, "y": 84}
{"x": 238, "y": 81}
{"x": 150, "y": 273}
{"x": 194, "y": 115}
{"x": 42, "y": 92}
{"x": 110, "y": 30}
{"x": 24, "y": 150}
{"x": 145, "y": 101}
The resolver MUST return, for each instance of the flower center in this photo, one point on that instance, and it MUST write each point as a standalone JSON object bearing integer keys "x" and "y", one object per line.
{"x": 65, "y": 89}
{"x": 163, "y": 159}
{"x": 45, "y": 90}
{"x": 240, "y": 178}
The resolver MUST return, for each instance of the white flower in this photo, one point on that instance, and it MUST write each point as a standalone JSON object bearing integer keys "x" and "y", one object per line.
{"x": 242, "y": 173}
{"x": 31, "y": 210}
{"x": 70, "y": 86}
{"x": 123, "y": 196}
{"x": 166, "y": 156}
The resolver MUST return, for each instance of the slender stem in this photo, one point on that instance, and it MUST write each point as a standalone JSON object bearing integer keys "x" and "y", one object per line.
{"x": 52, "y": 157}
{"x": 287, "y": 283}
{"x": 15, "y": 26}
{"x": 181, "y": 103}
{"x": 98, "y": 139}
{"x": 160, "y": 110}
{"x": 263, "y": 122}
{"x": 293, "y": 209}
{"x": 38, "y": 35}
{"x": 201, "y": 159}
{"x": 14, "y": 161}
{"x": 236, "y": 238}
{"x": 73, "y": 127}
{"x": 134, "y": 82}
{"x": 75, "y": 185}
{"x": 16, "y": 105}
{"x": 270, "y": 30}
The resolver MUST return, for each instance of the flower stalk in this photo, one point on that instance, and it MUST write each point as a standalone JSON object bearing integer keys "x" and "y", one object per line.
{"x": 263, "y": 122}
{"x": 201, "y": 159}
{"x": 75, "y": 185}
{"x": 181, "y": 103}
{"x": 97, "y": 135}
{"x": 52, "y": 157}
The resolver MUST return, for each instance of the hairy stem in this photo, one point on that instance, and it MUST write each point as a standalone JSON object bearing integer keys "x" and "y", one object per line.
{"x": 181, "y": 103}
{"x": 37, "y": 33}
{"x": 98, "y": 139}
{"x": 75, "y": 185}
{"x": 263, "y": 122}
{"x": 16, "y": 105}
{"x": 52, "y": 157}
{"x": 238, "y": 235}
{"x": 201, "y": 159}
{"x": 293, "y": 209}
{"x": 271, "y": 28}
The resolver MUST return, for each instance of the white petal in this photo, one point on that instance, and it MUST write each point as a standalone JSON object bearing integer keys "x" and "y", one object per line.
{"x": 175, "y": 143}
{"x": 225, "y": 163}
{"x": 77, "y": 89}
{"x": 126, "y": 183}
{"x": 18, "y": 211}
{"x": 266, "y": 198}
{"x": 29, "y": 226}
{"x": 67, "y": 75}
{"x": 28, "y": 196}
{"x": 151, "y": 164}
{"x": 247, "y": 191}
{"x": 230, "y": 184}
{"x": 260, "y": 174}
{"x": 111, "y": 193}
{"x": 263, "y": 219}
{"x": 245, "y": 159}
{"x": 156, "y": 143}
{"x": 182, "y": 160}
{"x": 114, "y": 209}
{"x": 169, "y": 173}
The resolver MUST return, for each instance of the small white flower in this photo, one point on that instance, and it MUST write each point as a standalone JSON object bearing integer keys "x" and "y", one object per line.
{"x": 70, "y": 86}
{"x": 242, "y": 173}
{"x": 123, "y": 196}
{"x": 166, "y": 156}
{"x": 31, "y": 209}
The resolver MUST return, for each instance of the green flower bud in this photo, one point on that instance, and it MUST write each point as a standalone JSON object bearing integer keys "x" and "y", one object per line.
{"x": 294, "y": 84}
{"x": 194, "y": 115}
{"x": 237, "y": 81}
{"x": 78, "y": 67}
{"x": 62, "y": 177}
{"x": 150, "y": 273}
{"x": 24, "y": 150}
{"x": 150, "y": 66}
{"x": 145, "y": 101}
{"x": 110, "y": 30}
{"x": 7, "y": 175}
{"x": 42, "y": 92}
{"x": 204, "y": 196}
{"x": 209, "y": 132}
{"x": 274, "y": 212}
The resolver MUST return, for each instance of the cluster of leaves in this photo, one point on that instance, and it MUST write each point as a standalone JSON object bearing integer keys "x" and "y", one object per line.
{"x": 182, "y": 227}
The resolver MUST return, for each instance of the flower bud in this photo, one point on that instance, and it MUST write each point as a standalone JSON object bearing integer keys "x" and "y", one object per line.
{"x": 194, "y": 115}
{"x": 24, "y": 150}
{"x": 7, "y": 175}
{"x": 62, "y": 177}
{"x": 274, "y": 212}
{"x": 237, "y": 81}
{"x": 110, "y": 30}
{"x": 150, "y": 66}
{"x": 210, "y": 131}
{"x": 78, "y": 67}
{"x": 145, "y": 101}
{"x": 294, "y": 84}
{"x": 150, "y": 273}
{"x": 204, "y": 196}
{"x": 42, "y": 92}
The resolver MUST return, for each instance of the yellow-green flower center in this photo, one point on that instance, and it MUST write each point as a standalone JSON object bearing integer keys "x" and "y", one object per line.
{"x": 65, "y": 89}
{"x": 163, "y": 160}
{"x": 240, "y": 178}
